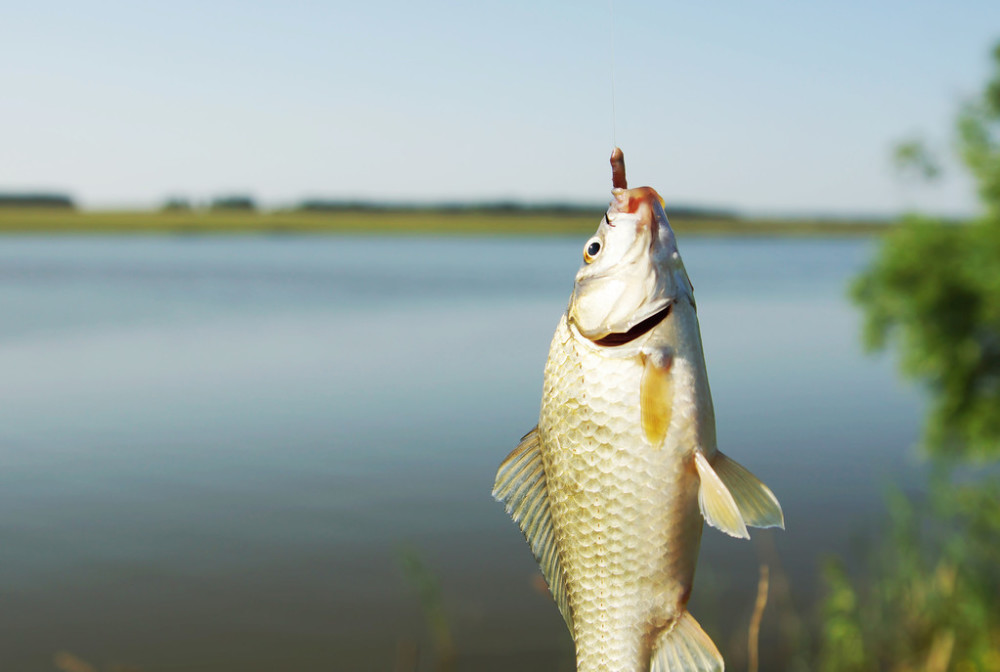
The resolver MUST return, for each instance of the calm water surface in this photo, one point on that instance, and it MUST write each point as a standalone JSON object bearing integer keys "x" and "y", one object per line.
{"x": 214, "y": 450}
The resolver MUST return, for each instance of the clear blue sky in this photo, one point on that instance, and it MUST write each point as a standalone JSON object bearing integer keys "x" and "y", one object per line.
{"x": 761, "y": 106}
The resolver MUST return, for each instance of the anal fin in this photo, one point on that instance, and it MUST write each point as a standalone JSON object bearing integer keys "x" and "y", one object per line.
{"x": 685, "y": 648}
{"x": 521, "y": 486}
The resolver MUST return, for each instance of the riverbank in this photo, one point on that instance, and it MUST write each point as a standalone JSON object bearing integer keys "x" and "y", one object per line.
{"x": 396, "y": 222}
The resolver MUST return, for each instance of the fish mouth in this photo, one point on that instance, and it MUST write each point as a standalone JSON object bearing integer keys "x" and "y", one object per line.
{"x": 644, "y": 327}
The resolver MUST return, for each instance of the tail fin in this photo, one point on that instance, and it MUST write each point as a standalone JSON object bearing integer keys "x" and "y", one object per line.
{"x": 685, "y": 648}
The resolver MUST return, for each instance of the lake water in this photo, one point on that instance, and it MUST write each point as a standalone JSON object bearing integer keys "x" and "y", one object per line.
{"x": 215, "y": 451}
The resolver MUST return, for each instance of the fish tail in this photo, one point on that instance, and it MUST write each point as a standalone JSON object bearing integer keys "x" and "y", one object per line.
{"x": 684, "y": 647}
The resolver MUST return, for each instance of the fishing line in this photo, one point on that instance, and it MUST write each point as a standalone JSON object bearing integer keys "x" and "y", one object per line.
{"x": 614, "y": 120}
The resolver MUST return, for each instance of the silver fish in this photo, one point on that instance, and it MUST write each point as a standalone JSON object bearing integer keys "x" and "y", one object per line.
{"x": 611, "y": 487}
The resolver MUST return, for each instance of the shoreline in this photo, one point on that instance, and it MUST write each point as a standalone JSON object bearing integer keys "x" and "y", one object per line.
{"x": 406, "y": 222}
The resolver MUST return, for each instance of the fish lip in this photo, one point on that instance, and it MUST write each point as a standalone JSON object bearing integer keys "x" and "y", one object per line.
{"x": 643, "y": 327}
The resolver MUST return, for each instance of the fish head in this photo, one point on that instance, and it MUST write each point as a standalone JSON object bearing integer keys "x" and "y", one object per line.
{"x": 631, "y": 270}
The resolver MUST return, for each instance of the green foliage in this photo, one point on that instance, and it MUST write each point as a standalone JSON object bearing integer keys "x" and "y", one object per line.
{"x": 929, "y": 597}
{"x": 239, "y": 202}
{"x": 36, "y": 200}
{"x": 843, "y": 641}
{"x": 177, "y": 204}
{"x": 912, "y": 158}
{"x": 979, "y": 140}
{"x": 428, "y": 590}
{"x": 934, "y": 291}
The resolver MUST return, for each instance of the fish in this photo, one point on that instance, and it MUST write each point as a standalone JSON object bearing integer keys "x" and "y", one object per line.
{"x": 611, "y": 488}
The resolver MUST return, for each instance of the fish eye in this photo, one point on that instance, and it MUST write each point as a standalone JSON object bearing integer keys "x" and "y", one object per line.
{"x": 592, "y": 250}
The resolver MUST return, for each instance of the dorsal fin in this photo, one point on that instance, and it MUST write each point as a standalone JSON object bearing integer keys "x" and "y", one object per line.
{"x": 521, "y": 486}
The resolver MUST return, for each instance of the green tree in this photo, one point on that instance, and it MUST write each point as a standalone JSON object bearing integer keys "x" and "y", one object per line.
{"x": 934, "y": 291}
{"x": 928, "y": 598}
{"x": 912, "y": 158}
{"x": 979, "y": 141}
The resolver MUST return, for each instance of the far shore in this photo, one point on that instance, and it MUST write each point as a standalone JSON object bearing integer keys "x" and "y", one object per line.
{"x": 398, "y": 222}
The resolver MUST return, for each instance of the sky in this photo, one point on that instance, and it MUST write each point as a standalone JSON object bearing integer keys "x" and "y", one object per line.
{"x": 765, "y": 107}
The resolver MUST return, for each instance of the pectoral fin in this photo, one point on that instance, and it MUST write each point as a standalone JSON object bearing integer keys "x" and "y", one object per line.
{"x": 731, "y": 498}
{"x": 656, "y": 395}
{"x": 716, "y": 502}
{"x": 685, "y": 648}
{"x": 757, "y": 504}
{"x": 521, "y": 486}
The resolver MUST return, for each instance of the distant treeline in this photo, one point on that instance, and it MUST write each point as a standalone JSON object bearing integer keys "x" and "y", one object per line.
{"x": 240, "y": 202}
{"x": 36, "y": 200}
{"x": 498, "y": 207}
{"x": 244, "y": 203}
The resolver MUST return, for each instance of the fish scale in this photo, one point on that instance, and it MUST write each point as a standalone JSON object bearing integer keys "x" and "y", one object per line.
{"x": 618, "y": 506}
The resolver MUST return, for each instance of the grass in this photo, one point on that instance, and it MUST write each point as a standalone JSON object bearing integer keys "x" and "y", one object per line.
{"x": 389, "y": 222}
